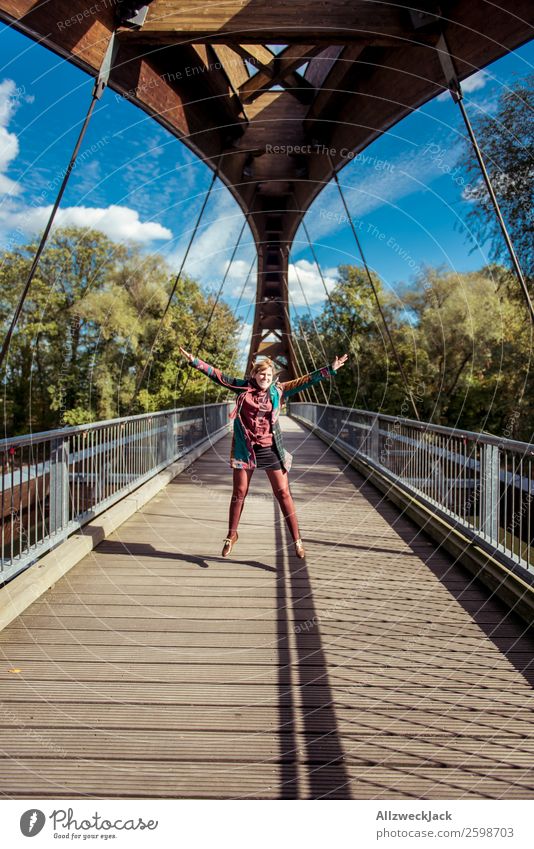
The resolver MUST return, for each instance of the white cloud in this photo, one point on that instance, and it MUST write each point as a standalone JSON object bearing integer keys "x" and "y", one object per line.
{"x": 243, "y": 344}
{"x": 310, "y": 280}
{"x": 215, "y": 240}
{"x": 9, "y": 143}
{"x": 473, "y": 83}
{"x": 243, "y": 339}
{"x": 119, "y": 223}
{"x": 309, "y": 277}
{"x": 238, "y": 274}
{"x": 238, "y": 270}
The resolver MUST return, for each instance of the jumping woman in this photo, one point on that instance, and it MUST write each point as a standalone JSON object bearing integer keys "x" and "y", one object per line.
{"x": 257, "y": 439}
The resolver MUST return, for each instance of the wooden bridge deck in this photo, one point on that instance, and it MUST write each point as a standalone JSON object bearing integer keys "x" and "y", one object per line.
{"x": 374, "y": 669}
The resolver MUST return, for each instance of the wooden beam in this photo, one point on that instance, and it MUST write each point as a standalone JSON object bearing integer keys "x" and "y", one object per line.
{"x": 235, "y": 70}
{"x": 273, "y": 21}
{"x": 321, "y": 65}
{"x": 322, "y": 37}
{"x": 259, "y": 55}
{"x": 212, "y": 75}
{"x": 233, "y": 65}
{"x": 331, "y": 85}
{"x": 279, "y": 69}
{"x": 300, "y": 88}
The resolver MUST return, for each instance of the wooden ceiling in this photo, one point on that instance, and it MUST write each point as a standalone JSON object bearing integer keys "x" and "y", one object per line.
{"x": 344, "y": 72}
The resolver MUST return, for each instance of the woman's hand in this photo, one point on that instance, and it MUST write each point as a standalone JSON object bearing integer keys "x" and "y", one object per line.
{"x": 189, "y": 357}
{"x": 340, "y": 361}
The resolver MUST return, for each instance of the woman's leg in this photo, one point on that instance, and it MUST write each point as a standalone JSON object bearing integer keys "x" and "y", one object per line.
{"x": 280, "y": 483}
{"x": 241, "y": 484}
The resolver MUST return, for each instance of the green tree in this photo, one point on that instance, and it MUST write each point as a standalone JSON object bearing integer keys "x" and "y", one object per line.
{"x": 88, "y": 326}
{"x": 351, "y": 322}
{"x": 463, "y": 342}
{"x": 507, "y": 141}
{"x": 473, "y": 348}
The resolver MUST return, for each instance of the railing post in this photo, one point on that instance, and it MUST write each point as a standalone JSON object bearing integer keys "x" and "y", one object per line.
{"x": 374, "y": 439}
{"x": 59, "y": 485}
{"x": 170, "y": 438}
{"x": 490, "y": 492}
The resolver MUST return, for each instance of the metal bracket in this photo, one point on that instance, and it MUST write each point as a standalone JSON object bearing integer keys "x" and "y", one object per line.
{"x": 132, "y": 14}
{"x": 106, "y": 67}
{"x": 449, "y": 71}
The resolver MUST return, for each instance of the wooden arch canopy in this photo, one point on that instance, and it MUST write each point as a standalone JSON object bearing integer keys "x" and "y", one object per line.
{"x": 342, "y": 73}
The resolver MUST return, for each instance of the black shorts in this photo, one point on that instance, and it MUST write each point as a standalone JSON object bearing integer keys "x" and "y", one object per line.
{"x": 266, "y": 457}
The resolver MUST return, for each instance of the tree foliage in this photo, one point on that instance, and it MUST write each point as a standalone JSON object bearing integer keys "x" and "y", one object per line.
{"x": 462, "y": 339}
{"x": 506, "y": 139}
{"x": 94, "y": 309}
{"x": 87, "y": 328}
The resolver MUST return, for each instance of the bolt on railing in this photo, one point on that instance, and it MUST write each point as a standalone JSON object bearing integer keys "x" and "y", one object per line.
{"x": 483, "y": 482}
{"x": 55, "y": 482}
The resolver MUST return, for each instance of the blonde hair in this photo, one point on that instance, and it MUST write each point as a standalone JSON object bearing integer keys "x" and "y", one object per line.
{"x": 263, "y": 365}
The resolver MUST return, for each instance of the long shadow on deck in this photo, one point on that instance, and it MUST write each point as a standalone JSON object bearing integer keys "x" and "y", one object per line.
{"x": 322, "y": 757}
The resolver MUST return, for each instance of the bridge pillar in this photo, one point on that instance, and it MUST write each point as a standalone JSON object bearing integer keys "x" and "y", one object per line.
{"x": 271, "y": 331}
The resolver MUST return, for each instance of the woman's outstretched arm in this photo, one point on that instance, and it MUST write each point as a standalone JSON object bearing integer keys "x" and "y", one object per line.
{"x": 215, "y": 374}
{"x": 292, "y": 387}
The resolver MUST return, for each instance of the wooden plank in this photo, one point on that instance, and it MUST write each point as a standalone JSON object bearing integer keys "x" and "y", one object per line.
{"x": 413, "y": 724}
{"x": 249, "y": 747}
{"x": 306, "y": 673}
{"x": 259, "y": 694}
{"x": 38, "y": 778}
{"x": 233, "y": 65}
{"x": 260, "y": 55}
{"x": 362, "y": 657}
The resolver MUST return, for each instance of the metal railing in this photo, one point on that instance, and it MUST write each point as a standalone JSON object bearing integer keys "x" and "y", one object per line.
{"x": 483, "y": 482}
{"x": 57, "y": 481}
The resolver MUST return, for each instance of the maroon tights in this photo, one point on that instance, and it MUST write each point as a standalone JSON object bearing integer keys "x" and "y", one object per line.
{"x": 280, "y": 483}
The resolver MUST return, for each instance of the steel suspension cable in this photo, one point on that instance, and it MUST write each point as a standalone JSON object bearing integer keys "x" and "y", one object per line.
{"x": 314, "y": 365}
{"x": 316, "y": 333}
{"x": 177, "y": 280}
{"x": 247, "y": 278}
{"x": 221, "y": 287}
{"x": 292, "y": 344}
{"x": 451, "y": 76}
{"x": 375, "y": 293}
{"x": 330, "y": 301}
{"x": 98, "y": 90}
{"x": 303, "y": 359}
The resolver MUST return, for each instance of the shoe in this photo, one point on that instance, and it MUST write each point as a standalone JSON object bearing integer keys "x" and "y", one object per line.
{"x": 299, "y": 549}
{"x": 229, "y": 544}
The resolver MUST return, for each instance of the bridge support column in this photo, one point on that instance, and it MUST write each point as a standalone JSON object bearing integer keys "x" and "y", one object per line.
{"x": 271, "y": 332}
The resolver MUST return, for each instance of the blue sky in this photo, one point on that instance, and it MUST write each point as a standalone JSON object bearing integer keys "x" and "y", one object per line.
{"x": 135, "y": 181}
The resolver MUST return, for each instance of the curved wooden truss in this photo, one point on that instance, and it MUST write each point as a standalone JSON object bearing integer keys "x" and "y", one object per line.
{"x": 276, "y": 94}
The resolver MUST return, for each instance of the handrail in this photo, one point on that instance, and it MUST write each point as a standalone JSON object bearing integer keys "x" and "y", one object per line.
{"x": 486, "y": 438}
{"x": 53, "y": 483}
{"x": 484, "y": 482}
{"x": 29, "y": 438}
